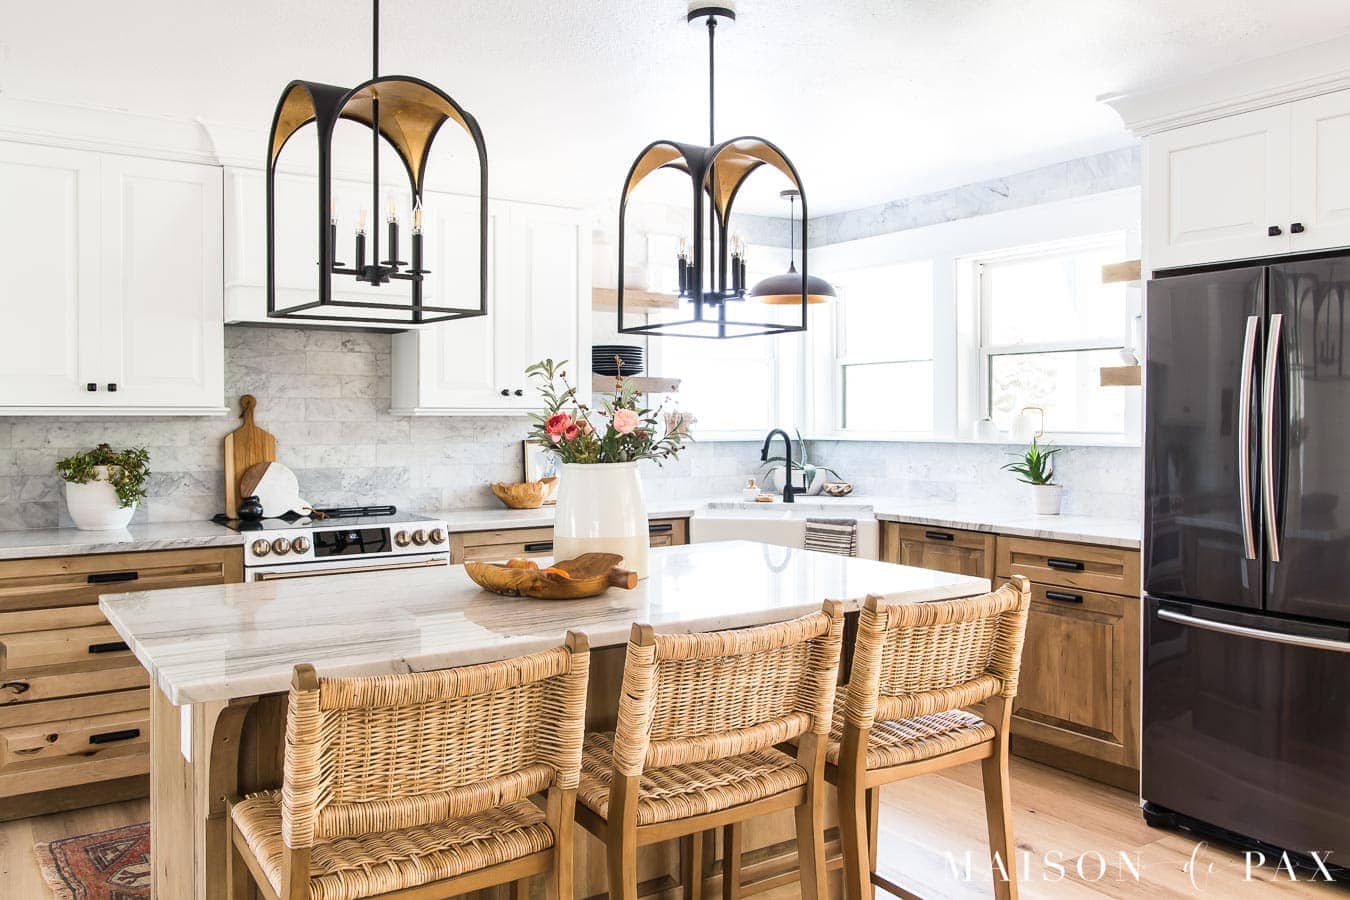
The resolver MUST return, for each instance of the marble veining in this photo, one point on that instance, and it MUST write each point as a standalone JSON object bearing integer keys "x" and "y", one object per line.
{"x": 218, "y": 642}
{"x": 39, "y": 542}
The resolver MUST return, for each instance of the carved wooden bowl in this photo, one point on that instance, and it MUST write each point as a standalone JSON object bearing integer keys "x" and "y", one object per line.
{"x": 588, "y": 575}
{"x": 520, "y": 494}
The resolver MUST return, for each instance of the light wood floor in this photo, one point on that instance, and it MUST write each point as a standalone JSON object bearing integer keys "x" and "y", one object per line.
{"x": 922, "y": 821}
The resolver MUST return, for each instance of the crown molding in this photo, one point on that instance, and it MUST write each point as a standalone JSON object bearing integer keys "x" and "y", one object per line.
{"x": 104, "y": 130}
{"x": 1270, "y": 81}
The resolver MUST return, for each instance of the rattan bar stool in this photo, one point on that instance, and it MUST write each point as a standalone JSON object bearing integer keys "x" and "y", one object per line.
{"x": 419, "y": 785}
{"x": 699, "y": 715}
{"x": 915, "y": 666}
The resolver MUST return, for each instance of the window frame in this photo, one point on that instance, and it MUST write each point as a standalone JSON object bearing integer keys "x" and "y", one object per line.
{"x": 986, "y": 351}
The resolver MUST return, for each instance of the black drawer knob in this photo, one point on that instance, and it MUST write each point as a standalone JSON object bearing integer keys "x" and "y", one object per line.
{"x": 1274, "y": 231}
{"x": 1296, "y": 228}
{"x": 506, "y": 392}
{"x": 91, "y": 387}
{"x": 112, "y": 386}
{"x": 519, "y": 393}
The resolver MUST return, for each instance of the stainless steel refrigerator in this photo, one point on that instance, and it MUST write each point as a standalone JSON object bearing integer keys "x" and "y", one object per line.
{"x": 1246, "y": 672}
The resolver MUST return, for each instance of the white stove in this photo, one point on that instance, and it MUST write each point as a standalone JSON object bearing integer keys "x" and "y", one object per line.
{"x": 280, "y": 548}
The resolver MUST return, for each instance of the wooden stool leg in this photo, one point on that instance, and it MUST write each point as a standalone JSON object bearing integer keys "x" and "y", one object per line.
{"x": 520, "y": 890}
{"x": 998, "y": 805}
{"x": 731, "y": 861}
{"x": 811, "y": 818}
{"x": 691, "y": 866}
{"x": 622, "y": 859}
{"x": 238, "y": 877}
{"x": 853, "y": 831}
{"x": 873, "y": 820}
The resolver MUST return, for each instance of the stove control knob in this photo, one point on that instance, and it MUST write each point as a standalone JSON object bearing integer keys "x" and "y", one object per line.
{"x": 419, "y": 537}
{"x": 261, "y": 547}
{"x": 281, "y": 546}
{"x": 437, "y": 536}
{"x": 300, "y": 545}
{"x": 401, "y": 539}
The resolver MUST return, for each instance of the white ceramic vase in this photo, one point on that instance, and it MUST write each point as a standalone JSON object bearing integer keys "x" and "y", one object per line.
{"x": 601, "y": 510}
{"x": 94, "y": 505}
{"x": 1047, "y": 498}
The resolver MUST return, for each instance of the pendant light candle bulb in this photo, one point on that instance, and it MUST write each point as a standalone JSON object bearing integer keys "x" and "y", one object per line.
{"x": 361, "y": 222}
{"x": 417, "y": 218}
{"x": 393, "y": 210}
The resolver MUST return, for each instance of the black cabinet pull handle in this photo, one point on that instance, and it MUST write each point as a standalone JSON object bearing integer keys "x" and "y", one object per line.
{"x": 1063, "y": 597}
{"x": 109, "y": 647}
{"x": 939, "y": 536}
{"x": 539, "y": 547}
{"x": 112, "y": 577}
{"x": 1296, "y": 228}
{"x": 519, "y": 393}
{"x": 1274, "y": 231}
{"x": 91, "y": 387}
{"x": 661, "y": 528}
{"x": 112, "y": 386}
{"x": 1066, "y": 565}
{"x": 108, "y": 737}
{"x": 506, "y": 392}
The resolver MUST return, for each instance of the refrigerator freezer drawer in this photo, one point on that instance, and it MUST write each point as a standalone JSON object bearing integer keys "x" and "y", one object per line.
{"x": 1246, "y": 724}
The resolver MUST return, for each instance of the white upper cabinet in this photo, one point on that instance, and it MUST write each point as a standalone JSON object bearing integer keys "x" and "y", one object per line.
{"x": 117, "y": 308}
{"x": 538, "y": 307}
{"x": 1320, "y": 210}
{"x": 1250, "y": 185}
{"x": 1216, "y": 190}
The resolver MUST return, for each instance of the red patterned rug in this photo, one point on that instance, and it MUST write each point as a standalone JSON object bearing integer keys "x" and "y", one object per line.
{"x": 106, "y": 865}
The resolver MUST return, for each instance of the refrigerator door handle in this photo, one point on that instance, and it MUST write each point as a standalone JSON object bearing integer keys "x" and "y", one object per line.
{"x": 1244, "y": 440}
{"x": 1295, "y": 640}
{"x": 1268, "y": 436}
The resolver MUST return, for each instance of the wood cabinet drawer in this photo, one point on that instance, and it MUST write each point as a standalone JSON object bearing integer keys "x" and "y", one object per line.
{"x": 117, "y": 672}
{"x": 1108, "y": 569}
{"x": 49, "y": 755}
{"x": 524, "y": 543}
{"x": 1079, "y": 688}
{"x": 32, "y": 649}
{"x": 48, "y": 619}
{"x": 75, "y": 580}
{"x": 942, "y": 549}
{"x": 499, "y": 552}
{"x": 73, "y": 707}
{"x": 506, "y": 537}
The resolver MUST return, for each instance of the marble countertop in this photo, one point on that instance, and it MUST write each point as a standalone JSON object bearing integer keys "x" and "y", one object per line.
{"x": 39, "y": 542}
{"x": 1100, "y": 530}
{"x": 219, "y": 642}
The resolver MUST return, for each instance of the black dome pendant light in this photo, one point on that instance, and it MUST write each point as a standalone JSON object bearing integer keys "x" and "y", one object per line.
{"x": 711, "y": 289}
{"x": 787, "y": 288}
{"x": 407, "y": 113}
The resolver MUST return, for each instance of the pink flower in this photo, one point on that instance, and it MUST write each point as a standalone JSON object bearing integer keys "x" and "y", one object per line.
{"x": 557, "y": 424}
{"x": 572, "y": 431}
{"x": 625, "y": 421}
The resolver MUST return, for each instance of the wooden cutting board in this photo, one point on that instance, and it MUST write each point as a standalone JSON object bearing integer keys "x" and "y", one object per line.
{"x": 246, "y": 446}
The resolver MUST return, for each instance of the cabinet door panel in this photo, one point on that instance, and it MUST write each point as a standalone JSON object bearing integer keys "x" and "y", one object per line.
{"x": 49, "y": 303}
{"x": 942, "y": 549}
{"x": 1215, "y": 188}
{"x": 1321, "y": 192}
{"x": 163, "y": 340}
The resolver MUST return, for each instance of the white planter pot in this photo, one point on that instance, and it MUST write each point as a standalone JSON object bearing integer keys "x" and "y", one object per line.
{"x": 1047, "y": 498}
{"x": 94, "y": 506}
{"x": 601, "y": 510}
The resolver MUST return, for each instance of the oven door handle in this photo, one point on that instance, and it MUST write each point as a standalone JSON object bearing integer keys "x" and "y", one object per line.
{"x": 347, "y": 570}
{"x": 1276, "y": 637}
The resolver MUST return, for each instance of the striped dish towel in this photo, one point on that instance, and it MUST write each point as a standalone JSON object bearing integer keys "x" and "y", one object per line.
{"x": 837, "y": 536}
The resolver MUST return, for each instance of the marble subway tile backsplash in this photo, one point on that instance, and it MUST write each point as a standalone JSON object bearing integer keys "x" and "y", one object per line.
{"x": 325, "y": 395}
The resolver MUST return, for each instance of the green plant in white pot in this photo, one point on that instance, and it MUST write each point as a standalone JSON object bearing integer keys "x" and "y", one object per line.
{"x": 813, "y": 476}
{"x": 104, "y": 486}
{"x": 1036, "y": 466}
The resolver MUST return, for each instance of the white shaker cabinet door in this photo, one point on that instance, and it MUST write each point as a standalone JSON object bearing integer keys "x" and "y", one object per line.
{"x": 49, "y": 293}
{"x": 1320, "y": 213}
{"x": 1216, "y": 190}
{"x": 162, "y": 334}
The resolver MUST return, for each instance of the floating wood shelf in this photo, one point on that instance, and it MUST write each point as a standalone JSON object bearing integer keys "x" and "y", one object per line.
{"x": 607, "y": 299}
{"x": 1131, "y": 270}
{"x": 1122, "y": 376}
{"x": 644, "y": 384}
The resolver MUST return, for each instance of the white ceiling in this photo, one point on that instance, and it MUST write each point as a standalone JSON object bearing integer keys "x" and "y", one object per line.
{"x": 872, "y": 100}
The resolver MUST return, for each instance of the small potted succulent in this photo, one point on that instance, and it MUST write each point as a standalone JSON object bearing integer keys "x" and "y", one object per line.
{"x": 104, "y": 486}
{"x": 1036, "y": 466}
{"x": 813, "y": 476}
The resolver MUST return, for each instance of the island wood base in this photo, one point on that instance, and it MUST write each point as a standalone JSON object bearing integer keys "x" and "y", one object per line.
{"x": 206, "y": 752}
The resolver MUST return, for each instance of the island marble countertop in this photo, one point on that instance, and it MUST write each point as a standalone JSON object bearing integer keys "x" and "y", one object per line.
{"x": 238, "y": 640}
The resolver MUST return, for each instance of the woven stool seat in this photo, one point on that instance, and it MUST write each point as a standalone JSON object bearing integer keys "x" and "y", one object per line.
{"x": 364, "y": 866}
{"x": 691, "y": 789}
{"x": 898, "y": 741}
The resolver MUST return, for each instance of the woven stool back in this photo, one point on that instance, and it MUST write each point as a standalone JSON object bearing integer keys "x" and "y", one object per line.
{"x": 916, "y": 659}
{"x": 380, "y": 753}
{"x": 698, "y": 697}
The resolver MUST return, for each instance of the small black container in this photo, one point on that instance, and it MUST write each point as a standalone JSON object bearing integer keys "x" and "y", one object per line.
{"x": 250, "y": 509}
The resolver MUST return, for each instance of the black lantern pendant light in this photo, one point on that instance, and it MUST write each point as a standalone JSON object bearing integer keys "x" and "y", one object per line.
{"x": 787, "y": 288}
{"x": 711, "y": 284}
{"x": 407, "y": 113}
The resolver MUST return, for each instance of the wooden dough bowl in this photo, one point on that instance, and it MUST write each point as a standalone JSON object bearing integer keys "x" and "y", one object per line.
{"x": 588, "y": 575}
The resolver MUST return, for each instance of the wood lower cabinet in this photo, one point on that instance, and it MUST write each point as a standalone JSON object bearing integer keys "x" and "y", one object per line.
{"x": 943, "y": 549}
{"x": 524, "y": 543}
{"x": 74, "y": 702}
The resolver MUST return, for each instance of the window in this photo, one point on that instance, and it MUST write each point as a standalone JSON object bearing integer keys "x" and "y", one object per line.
{"x": 1047, "y": 327}
{"x": 884, "y": 348}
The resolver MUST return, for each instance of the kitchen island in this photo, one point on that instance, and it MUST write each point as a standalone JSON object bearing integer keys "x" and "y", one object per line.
{"x": 220, "y": 661}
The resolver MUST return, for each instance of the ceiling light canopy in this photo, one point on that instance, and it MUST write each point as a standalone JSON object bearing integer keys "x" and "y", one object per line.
{"x": 407, "y": 114}
{"x": 711, "y": 267}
